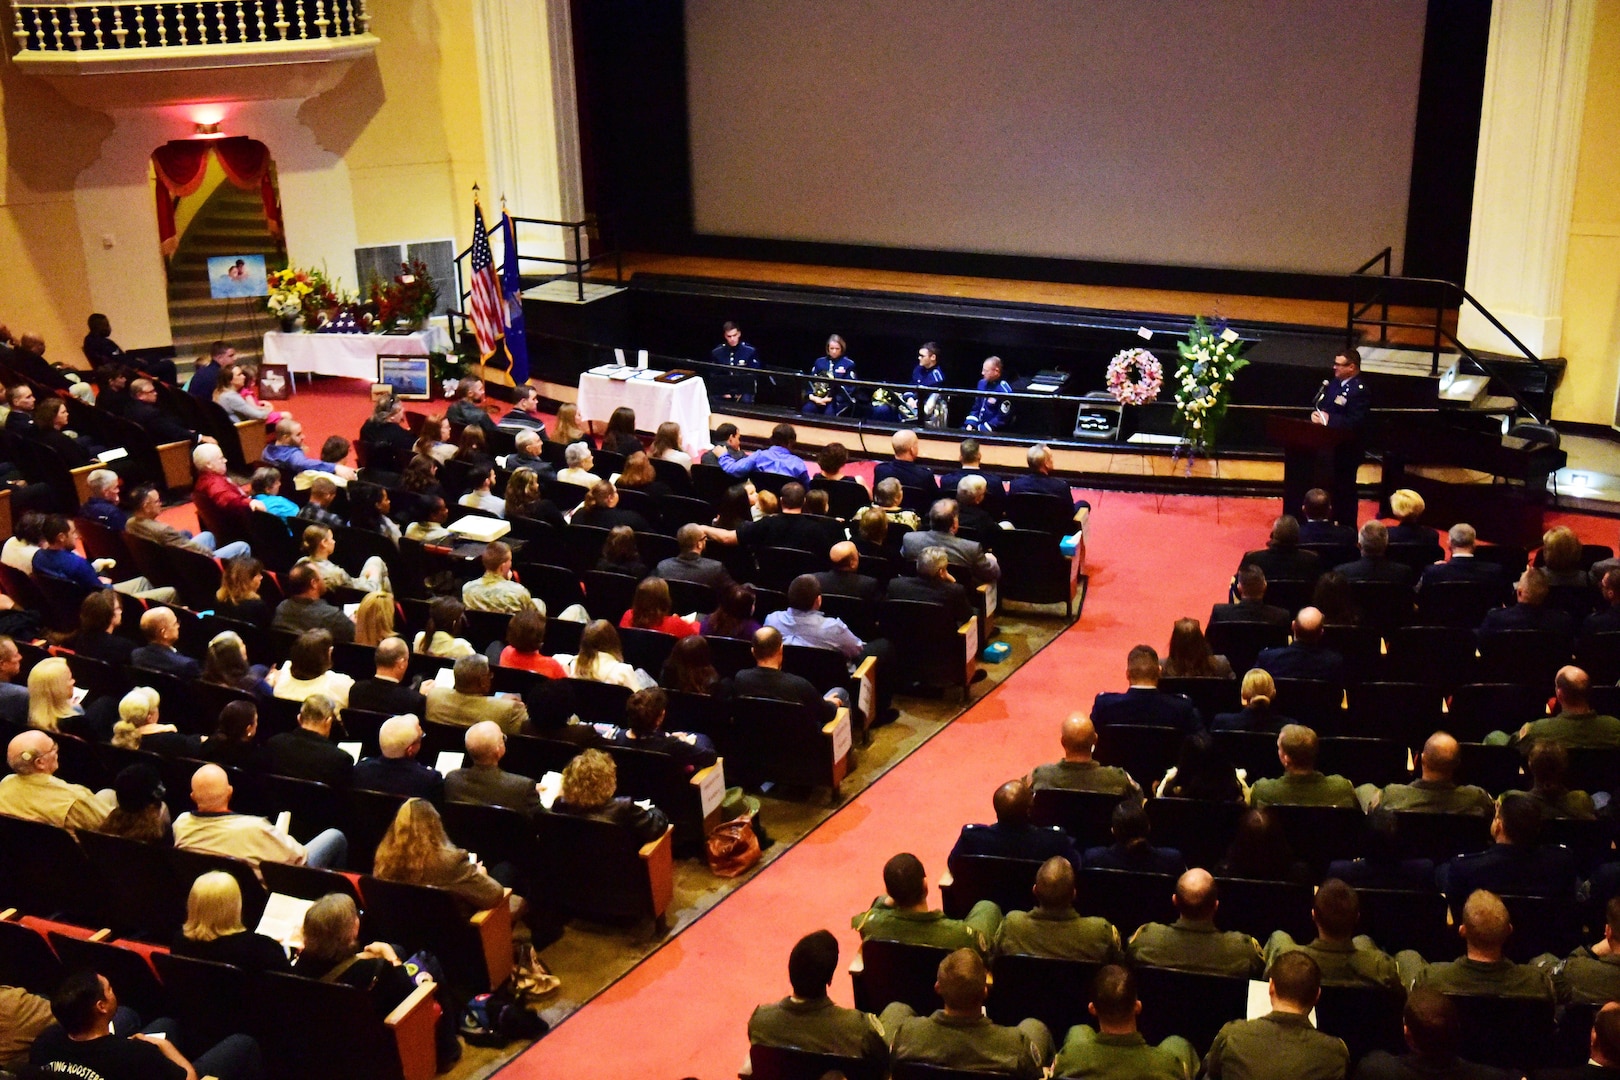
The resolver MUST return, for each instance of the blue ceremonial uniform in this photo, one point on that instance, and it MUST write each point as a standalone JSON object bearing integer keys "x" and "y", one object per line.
{"x": 990, "y": 410}
{"x": 1345, "y": 402}
{"x": 924, "y": 379}
{"x": 842, "y": 400}
{"x": 743, "y": 356}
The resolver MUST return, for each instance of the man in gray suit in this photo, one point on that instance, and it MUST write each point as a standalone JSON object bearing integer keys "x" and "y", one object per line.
{"x": 690, "y": 565}
{"x": 484, "y": 781}
{"x": 941, "y": 532}
{"x": 470, "y": 702}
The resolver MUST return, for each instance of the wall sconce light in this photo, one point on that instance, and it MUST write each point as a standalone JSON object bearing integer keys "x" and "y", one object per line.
{"x": 207, "y": 131}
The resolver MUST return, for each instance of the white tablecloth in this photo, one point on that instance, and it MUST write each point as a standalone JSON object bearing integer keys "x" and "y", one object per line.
{"x": 686, "y": 403}
{"x": 352, "y": 356}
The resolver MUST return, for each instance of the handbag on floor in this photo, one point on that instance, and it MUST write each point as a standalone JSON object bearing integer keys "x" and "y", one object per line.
{"x": 530, "y": 979}
{"x": 732, "y": 847}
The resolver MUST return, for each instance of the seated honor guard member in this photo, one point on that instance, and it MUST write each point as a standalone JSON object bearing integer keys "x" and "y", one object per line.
{"x": 960, "y": 1036}
{"x": 1114, "y": 1048}
{"x": 736, "y": 353}
{"x": 991, "y": 409}
{"x": 807, "y": 1019}
{"x": 825, "y": 396}
{"x": 1053, "y": 928}
{"x": 1281, "y": 1044}
{"x": 1344, "y": 958}
{"x": 1301, "y": 784}
{"x": 1482, "y": 970}
{"x": 1077, "y": 771}
{"x": 1344, "y": 402}
{"x": 1143, "y": 702}
{"x": 902, "y": 913}
{"x": 914, "y": 403}
{"x": 1192, "y": 943}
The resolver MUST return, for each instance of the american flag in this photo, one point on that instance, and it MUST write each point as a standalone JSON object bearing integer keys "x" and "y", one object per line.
{"x": 488, "y": 306}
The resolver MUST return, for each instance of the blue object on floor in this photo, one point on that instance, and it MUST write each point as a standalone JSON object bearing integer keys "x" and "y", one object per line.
{"x": 995, "y": 652}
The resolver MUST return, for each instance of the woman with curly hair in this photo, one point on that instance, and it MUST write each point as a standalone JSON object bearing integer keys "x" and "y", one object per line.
{"x": 523, "y": 499}
{"x": 590, "y": 789}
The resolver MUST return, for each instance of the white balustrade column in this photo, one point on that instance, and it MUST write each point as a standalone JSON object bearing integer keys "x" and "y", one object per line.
{"x": 1524, "y": 180}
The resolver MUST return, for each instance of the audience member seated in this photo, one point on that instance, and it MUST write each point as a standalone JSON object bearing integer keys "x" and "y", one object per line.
{"x": 214, "y": 932}
{"x": 318, "y": 510}
{"x": 728, "y": 444}
{"x": 1336, "y": 600}
{"x": 1202, "y": 771}
{"x": 1433, "y": 1032}
{"x": 807, "y": 1020}
{"x": 1039, "y": 478}
{"x": 140, "y": 727}
{"x": 50, "y": 428}
{"x": 226, "y": 664}
{"x": 690, "y": 565}
{"x": 1517, "y": 862}
{"x": 524, "y": 635}
{"x": 1192, "y": 943}
{"x": 941, "y": 532}
{"x": 766, "y": 679}
{"x": 1114, "y": 1047}
{"x": 621, "y": 554}
{"x": 1132, "y": 848}
{"x": 1053, "y": 928}
{"x": 34, "y": 792}
{"x": 589, "y": 789}
{"x": 100, "y": 614}
{"x": 690, "y": 668}
{"x": 1407, "y": 507}
{"x": 845, "y": 578}
{"x": 1012, "y": 836}
{"x": 932, "y": 585}
{"x": 1548, "y": 764}
{"x": 51, "y": 705}
{"x": 431, "y": 528}
{"x": 1282, "y": 1044}
{"x": 496, "y": 591}
{"x": 1436, "y": 790}
{"x": 995, "y": 491}
{"x": 111, "y": 380}
{"x": 961, "y": 1036}
{"x": 266, "y": 487}
{"x": 578, "y": 462}
{"x": 600, "y": 510}
{"x": 734, "y": 615}
{"x": 523, "y": 499}
{"x": 303, "y": 609}
{"x": 215, "y": 830}
{"x": 374, "y": 619}
{"x": 1591, "y": 974}
{"x": 1260, "y": 851}
{"x": 143, "y": 505}
{"x": 1190, "y": 655}
{"x": 1482, "y": 970}
{"x": 644, "y": 729}
{"x": 1251, "y": 606}
{"x": 140, "y": 813}
{"x": 388, "y": 427}
{"x": 416, "y": 851}
{"x": 215, "y": 491}
{"x": 526, "y": 454}
{"x": 601, "y": 657}
{"x": 620, "y": 435}
{"x": 483, "y": 781}
{"x": 1305, "y": 657}
{"x": 232, "y": 743}
{"x": 479, "y": 496}
{"x": 238, "y": 596}
{"x": 468, "y": 409}
{"x": 307, "y": 752}
{"x": 287, "y": 452}
{"x": 1374, "y": 564}
{"x": 441, "y": 634}
{"x": 1282, "y": 559}
{"x": 792, "y": 528}
{"x": 369, "y": 507}
{"x": 309, "y": 671}
{"x": 1143, "y": 703}
{"x": 1606, "y": 620}
{"x": 102, "y": 506}
{"x": 1077, "y": 771}
{"x": 1382, "y": 864}
{"x": 85, "y": 1045}
{"x": 971, "y": 513}
{"x": 163, "y": 426}
{"x": 902, "y": 914}
{"x": 205, "y": 375}
{"x": 161, "y": 628}
{"x": 1576, "y": 726}
{"x": 638, "y": 475}
{"x": 832, "y": 460}
{"x": 1561, "y": 558}
{"x": 1464, "y": 565}
{"x": 395, "y": 770}
{"x": 1531, "y": 612}
{"x": 1343, "y": 957}
{"x": 905, "y": 467}
{"x": 1259, "y": 690}
{"x": 1318, "y": 525}
{"x": 870, "y": 533}
{"x": 1301, "y": 784}
{"x": 57, "y": 557}
{"x": 469, "y": 701}
{"x": 803, "y": 623}
{"x": 13, "y": 695}
{"x": 650, "y": 609}
{"x": 777, "y": 458}
{"x": 886, "y": 499}
{"x": 28, "y": 535}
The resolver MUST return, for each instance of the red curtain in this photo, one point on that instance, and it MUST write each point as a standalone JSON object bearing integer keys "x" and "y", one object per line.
{"x": 181, "y": 165}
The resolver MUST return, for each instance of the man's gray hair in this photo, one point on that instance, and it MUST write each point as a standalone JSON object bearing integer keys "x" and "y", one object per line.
{"x": 577, "y": 454}
{"x": 526, "y": 438}
{"x": 1374, "y": 539}
{"x": 971, "y": 489}
{"x": 317, "y": 708}
{"x": 932, "y": 561}
{"x": 1462, "y": 535}
{"x": 1038, "y": 454}
{"x": 888, "y": 492}
{"x": 101, "y": 481}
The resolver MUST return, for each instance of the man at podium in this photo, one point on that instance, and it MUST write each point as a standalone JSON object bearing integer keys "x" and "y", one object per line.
{"x": 1343, "y": 402}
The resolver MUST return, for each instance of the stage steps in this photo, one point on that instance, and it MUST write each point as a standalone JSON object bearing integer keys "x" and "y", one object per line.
{"x": 230, "y": 223}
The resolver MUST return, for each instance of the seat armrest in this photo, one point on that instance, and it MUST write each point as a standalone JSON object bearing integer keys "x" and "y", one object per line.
{"x": 81, "y": 481}
{"x": 840, "y": 761}
{"x": 251, "y": 434}
{"x": 412, "y": 1023}
{"x": 659, "y": 859}
{"x": 175, "y": 457}
{"x": 494, "y": 927}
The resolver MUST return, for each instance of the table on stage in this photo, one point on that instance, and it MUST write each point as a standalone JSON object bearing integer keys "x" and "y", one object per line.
{"x": 351, "y": 356}
{"x": 685, "y": 402}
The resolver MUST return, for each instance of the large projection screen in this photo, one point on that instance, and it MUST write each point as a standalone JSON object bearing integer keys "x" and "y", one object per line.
{"x": 1268, "y": 135}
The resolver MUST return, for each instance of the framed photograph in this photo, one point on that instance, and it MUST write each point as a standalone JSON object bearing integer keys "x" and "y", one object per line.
{"x": 232, "y": 276}
{"x": 275, "y": 382}
{"x": 409, "y": 376}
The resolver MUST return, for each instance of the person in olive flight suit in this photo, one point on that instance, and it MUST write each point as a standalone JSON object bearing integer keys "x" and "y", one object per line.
{"x": 735, "y": 353}
{"x": 1192, "y": 943}
{"x": 1115, "y": 1050}
{"x": 903, "y": 914}
{"x": 1301, "y": 784}
{"x": 1077, "y": 772}
{"x": 1344, "y": 958}
{"x": 1343, "y": 402}
{"x": 1053, "y": 929}
{"x": 961, "y": 1036}
{"x": 1590, "y": 974}
{"x": 1436, "y": 791}
{"x": 1482, "y": 970}
{"x": 1282, "y": 1043}
{"x": 807, "y": 1019}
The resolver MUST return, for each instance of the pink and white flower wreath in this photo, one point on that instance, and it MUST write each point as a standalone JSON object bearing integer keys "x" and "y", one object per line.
{"x": 1135, "y": 377}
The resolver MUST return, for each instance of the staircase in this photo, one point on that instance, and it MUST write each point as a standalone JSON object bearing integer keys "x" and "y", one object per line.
{"x": 231, "y": 222}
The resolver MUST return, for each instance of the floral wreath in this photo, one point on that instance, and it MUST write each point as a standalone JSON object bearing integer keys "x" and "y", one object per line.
{"x": 1135, "y": 377}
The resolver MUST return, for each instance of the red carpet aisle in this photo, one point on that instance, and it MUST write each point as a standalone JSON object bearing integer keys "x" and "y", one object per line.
{"x": 683, "y": 1012}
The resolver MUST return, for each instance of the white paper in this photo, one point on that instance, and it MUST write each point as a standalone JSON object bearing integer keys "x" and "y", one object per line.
{"x": 350, "y": 609}
{"x": 352, "y": 749}
{"x": 113, "y": 453}
{"x": 841, "y": 737}
{"x": 1144, "y": 333}
{"x": 284, "y": 821}
{"x": 645, "y": 804}
{"x": 712, "y": 789}
{"x": 641, "y": 359}
{"x": 618, "y": 356}
{"x": 445, "y": 678}
{"x": 1260, "y": 1000}
{"x": 550, "y": 787}
{"x": 606, "y": 369}
{"x": 283, "y": 919}
{"x": 448, "y": 762}
{"x": 79, "y": 694}
{"x": 1229, "y": 335}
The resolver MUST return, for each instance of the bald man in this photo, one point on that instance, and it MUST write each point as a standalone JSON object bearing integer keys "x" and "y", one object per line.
{"x": 1305, "y": 657}
{"x": 1077, "y": 772}
{"x": 960, "y": 1036}
{"x": 1436, "y": 790}
{"x": 214, "y": 830}
{"x": 905, "y": 467}
{"x": 1012, "y": 836}
{"x": 34, "y": 792}
{"x": 483, "y": 781}
{"x": 1192, "y": 943}
{"x": 1577, "y": 726}
{"x": 845, "y": 578}
{"x": 1483, "y": 970}
{"x": 396, "y": 770}
{"x": 1301, "y": 784}
{"x": 161, "y": 628}
{"x": 1053, "y": 928}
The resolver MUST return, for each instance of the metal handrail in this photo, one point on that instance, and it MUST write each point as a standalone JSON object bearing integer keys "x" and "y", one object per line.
{"x": 579, "y": 264}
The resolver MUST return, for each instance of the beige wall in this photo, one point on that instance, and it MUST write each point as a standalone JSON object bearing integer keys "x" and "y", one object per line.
{"x": 1592, "y": 280}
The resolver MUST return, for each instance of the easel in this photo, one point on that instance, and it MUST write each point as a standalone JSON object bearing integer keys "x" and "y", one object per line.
{"x": 252, "y": 316}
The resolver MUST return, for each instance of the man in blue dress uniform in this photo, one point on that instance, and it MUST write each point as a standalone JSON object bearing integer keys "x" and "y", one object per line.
{"x": 990, "y": 409}
{"x": 735, "y": 353}
{"x": 925, "y": 377}
{"x": 1343, "y": 402}
{"x": 826, "y": 397}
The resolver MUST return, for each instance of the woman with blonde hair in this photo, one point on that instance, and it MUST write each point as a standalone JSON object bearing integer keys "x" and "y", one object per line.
{"x": 1189, "y": 655}
{"x": 567, "y": 430}
{"x": 651, "y": 609}
{"x": 1561, "y": 558}
{"x": 416, "y": 851}
{"x": 374, "y": 619}
{"x": 50, "y": 697}
{"x": 590, "y": 789}
{"x": 601, "y": 657}
{"x": 666, "y": 445}
{"x": 140, "y": 728}
{"x": 1259, "y": 690}
{"x": 318, "y": 544}
{"x": 213, "y": 929}
{"x": 1407, "y": 507}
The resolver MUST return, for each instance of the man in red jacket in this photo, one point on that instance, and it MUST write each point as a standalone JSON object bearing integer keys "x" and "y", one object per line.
{"x": 214, "y": 493}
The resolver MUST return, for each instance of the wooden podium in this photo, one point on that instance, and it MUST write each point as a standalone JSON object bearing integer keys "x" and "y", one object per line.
{"x": 1315, "y": 455}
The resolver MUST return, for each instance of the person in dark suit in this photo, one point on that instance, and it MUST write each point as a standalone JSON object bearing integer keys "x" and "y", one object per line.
{"x": 163, "y": 426}
{"x": 845, "y": 578}
{"x": 1374, "y": 565}
{"x": 971, "y": 512}
{"x": 1012, "y": 836}
{"x": 396, "y": 769}
{"x": 20, "y": 420}
{"x": 1517, "y": 864}
{"x": 1607, "y": 619}
{"x": 389, "y": 427}
{"x": 600, "y": 510}
{"x": 307, "y": 752}
{"x": 1132, "y": 848}
{"x": 1433, "y": 1032}
{"x": 1144, "y": 703}
{"x": 1604, "y": 1063}
{"x": 734, "y": 353}
{"x": 644, "y": 730}
{"x": 386, "y": 692}
{"x": 1305, "y": 658}
{"x": 690, "y": 565}
{"x": 484, "y": 782}
{"x": 1251, "y": 606}
{"x": 1281, "y": 559}
{"x": 162, "y": 629}
{"x": 1463, "y": 565}
{"x": 933, "y": 585}
{"x": 1318, "y": 527}
{"x": 792, "y": 528}
{"x": 1407, "y": 506}
{"x": 590, "y": 790}
{"x": 766, "y": 679}
{"x": 905, "y": 467}
{"x": 995, "y": 488}
{"x": 1532, "y": 612}
{"x": 1040, "y": 479}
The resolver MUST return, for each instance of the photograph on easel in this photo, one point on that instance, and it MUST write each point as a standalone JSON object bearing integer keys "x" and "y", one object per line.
{"x": 408, "y": 375}
{"x": 234, "y": 276}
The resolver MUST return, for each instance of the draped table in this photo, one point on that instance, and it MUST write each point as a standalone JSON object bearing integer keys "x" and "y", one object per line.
{"x": 685, "y": 402}
{"x": 351, "y": 356}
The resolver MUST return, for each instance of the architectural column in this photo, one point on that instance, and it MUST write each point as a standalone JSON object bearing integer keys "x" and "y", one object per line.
{"x": 531, "y": 122}
{"x": 1535, "y": 88}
